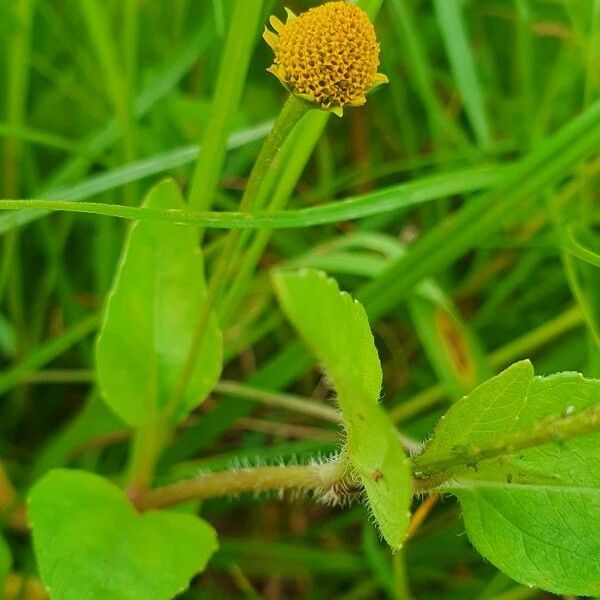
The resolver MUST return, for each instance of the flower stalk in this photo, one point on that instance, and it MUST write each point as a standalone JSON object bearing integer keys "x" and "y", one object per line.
{"x": 293, "y": 110}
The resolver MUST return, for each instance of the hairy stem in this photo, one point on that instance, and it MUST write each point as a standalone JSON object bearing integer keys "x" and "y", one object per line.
{"x": 316, "y": 477}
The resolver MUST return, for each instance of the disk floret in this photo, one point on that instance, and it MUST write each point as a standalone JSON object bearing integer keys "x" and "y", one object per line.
{"x": 328, "y": 55}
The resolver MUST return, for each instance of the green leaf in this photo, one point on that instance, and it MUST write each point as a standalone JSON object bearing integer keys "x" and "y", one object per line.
{"x": 535, "y": 513}
{"x": 5, "y": 562}
{"x": 337, "y": 330}
{"x": 583, "y": 244}
{"x": 91, "y": 543}
{"x": 150, "y": 316}
{"x": 481, "y": 416}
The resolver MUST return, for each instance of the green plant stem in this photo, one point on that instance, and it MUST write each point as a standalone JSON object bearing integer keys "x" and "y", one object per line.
{"x": 293, "y": 110}
{"x": 292, "y": 161}
{"x": 519, "y": 348}
{"x": 401, "y": 582}
{"x": 148, "y": 442}
{"x": 317, "y": 478}
{"x": 557, "y": 429}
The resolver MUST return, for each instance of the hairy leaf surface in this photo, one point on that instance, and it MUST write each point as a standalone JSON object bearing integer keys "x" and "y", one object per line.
{"x": 337, "y": 330}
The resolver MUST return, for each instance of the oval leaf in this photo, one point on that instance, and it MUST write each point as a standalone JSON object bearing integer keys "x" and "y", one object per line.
{"x": 150, "y": 319}
{"x": 535, "y": 514}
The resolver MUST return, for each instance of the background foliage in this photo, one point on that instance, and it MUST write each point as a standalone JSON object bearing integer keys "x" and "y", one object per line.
{"x": 103, "y": 98}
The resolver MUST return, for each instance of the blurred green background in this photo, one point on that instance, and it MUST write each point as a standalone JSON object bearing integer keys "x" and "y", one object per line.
{"x": 101, "y": 98}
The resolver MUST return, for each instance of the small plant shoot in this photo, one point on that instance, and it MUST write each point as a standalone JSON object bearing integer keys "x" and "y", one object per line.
{"x": 299, "y": 302}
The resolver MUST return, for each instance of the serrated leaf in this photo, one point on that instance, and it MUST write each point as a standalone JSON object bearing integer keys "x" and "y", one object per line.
{"x": 480, "y": 417}
{"x": 337, "y": 330}
{"x": 91, "y": 543}
{"x": 150, "y": 319}
{"x": 535, "y": 514}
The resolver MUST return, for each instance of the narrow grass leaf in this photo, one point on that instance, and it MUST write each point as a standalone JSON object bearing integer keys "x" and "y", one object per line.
{"x": 459, "y": 233}
{"x": 129, "y": 173}
{"x": 159, "y": 84}
{"x": 235, "y": 60}
{"x": 462, "y": 61}
{"x": 581, "y": 258}
{"x": 47, "y": 352}
{"x": 385, "y": 200}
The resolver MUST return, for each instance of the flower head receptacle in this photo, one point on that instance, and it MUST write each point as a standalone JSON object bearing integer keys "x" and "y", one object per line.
{"x": 328, "y": 55}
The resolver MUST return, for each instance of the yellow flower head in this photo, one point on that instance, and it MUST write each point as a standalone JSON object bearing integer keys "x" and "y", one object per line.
{"x": 328, "y": 55}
